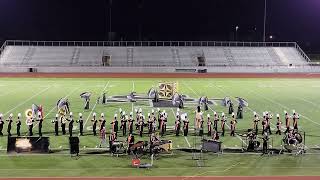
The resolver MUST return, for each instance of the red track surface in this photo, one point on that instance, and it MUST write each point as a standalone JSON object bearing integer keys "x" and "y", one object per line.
{"x": 166, "y": 75}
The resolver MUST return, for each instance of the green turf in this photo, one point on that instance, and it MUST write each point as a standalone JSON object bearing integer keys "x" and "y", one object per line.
{"x": 274, "y": 95}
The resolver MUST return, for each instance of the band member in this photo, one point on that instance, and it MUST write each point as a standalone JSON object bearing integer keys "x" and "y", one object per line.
{"x": 87, "y": 103}
{"x": 265, "y": 143}
{"x": 185, "y": 124}
{"x": 295, "y": 118}
{"x": 233, "y": 125}
{"x": 63, "y": 124}
{"x": 239, "y": 112}
{"x": 9, "y": 120}
{"x": 123, "y": 126}
{"x": 140, "y": 125}
{"x": 215, "y": 121}
{"x": 215, "y": 136}
{"x": 287, "y": 118}
{"x": 268, "y": 120}
{"x": 198, "y": 117}
{"x": 251, "y": 136}
{"x": 71, "y": 121}
{"x": 18, "y": 124}
{"x": 159, "y": 118}
{"x": 40, "y": 119}
{"x": 230, "y": 107}
{"x": 223, "y": 122}
{"x": 102, "y": 121}
{"x": 150, "y": 123}
{"x": 112, "y": 139}
{"x": 137, "y": 118}
{"x": 201, "y": 126}
{"x": 255, "y": 122}
{"x": 56, "y": 125}
{"x": 209, "y": 125}
{"x": 131, "y": 121}
{"x": 102, "y": 136}
{"x": 165, "y": 120}
{"x": 130, "y": 141}
{"x": 264, "y": 123}
{"x": 154, "y": 140}
{"x": 279, "y": 123}
{"x": 162, "y": 130}
{"x": 94, "y": 124}
{"x": 116, "y": 124}
{"x": 177, "y": 124}
{"x": 113, "y": 123}
{"x": 1, "y": 124}
{"x": 80, "y": 121}
{"x": 29, "y": 122}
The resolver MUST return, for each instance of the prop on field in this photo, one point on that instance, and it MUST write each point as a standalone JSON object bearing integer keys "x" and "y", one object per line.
{"x": 137, "y": 163}
{"x": 139, "y": 147}
{"x": 118, "y": 147}
{"x": 167, "y": 89}
{"x": 63, "y": 106}
{"x": 177, "y": 100}
{"x": 162, "y": 146}
{"x": 86, "y": 97}
{"x": 211, "y": 146}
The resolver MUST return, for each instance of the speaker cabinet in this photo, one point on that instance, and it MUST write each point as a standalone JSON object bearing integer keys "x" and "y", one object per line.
{"x": 74, "y": 145}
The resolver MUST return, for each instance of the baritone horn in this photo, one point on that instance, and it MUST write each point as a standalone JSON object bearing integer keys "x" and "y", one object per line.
{"x": 28, "y": 113}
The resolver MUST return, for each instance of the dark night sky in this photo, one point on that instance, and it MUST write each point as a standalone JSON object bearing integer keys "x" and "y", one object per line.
{"x": 288, "y": 20}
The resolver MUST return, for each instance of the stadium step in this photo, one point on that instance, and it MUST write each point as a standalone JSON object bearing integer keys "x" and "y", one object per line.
{"x": 75, "y": 56}
{"x": 176, "y": 56}
{"x": 130, "y": 56}
{"x": 28, "y": 56}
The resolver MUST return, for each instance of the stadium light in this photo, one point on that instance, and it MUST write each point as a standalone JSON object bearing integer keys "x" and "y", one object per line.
{"x": 237, "y": 28}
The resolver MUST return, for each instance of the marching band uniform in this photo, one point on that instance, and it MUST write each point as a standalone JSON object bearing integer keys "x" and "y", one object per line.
{"x": 130, "y": 127}
{"x": 295, "y": 118}
{"x": 264, "y": 123}
{"x": 112, "y": 139}
{"x": 102, "y": 136}
{"x": 159, "y": 118}
{"x": 287, "y": 118}
{"x": 268, "y": 119}
{"x": 56, "y": 125}
{"x": 140, "y": 125}
{"x": 185, "y": 124}
{"x": 137, "y": 118}
{"x": 177, "y": 124}
{"x": 70, "y": 124}
{"x": 223, "y": 122}
{"x": 40, "y": 119}
{"x": 124, "y": 125}
{"x": 198, "y": 117}
{"x": 18, "y": 124}
{"x": 113, "y": 122}
{"x": 1, "y": 124}
{"x": 102, "y": 122}
{"x": 94, "y": 124}
{"x": 154, "y": 121}
{"x": 165, "y": 115}
{"x": 215, "y": 121}
{"x": 215, "y": 135}
{"x": 9, "y": 124}
{"x": 150, "y": 123}
{"x": 233, "y": 125}
{"x": 130, "y": 141}
{"x": 80, "y": 121}
{"x": 63, "y": 124}
{"x": 256, "y": 122}
{"x": 162, "y": 130}
{"x": 104, "y": 98}
{"x": 278, "y": 125}
{"x": 29, "y": 122}
{"x": 209, "y": 125}
{"x": 201, "y": 127}
{"x": 116, "y": 125}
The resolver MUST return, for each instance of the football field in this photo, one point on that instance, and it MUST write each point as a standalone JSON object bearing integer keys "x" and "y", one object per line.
{"x": 274, "y": 95}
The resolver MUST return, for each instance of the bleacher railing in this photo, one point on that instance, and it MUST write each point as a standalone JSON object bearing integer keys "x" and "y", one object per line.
{"x": 155, "y": 43}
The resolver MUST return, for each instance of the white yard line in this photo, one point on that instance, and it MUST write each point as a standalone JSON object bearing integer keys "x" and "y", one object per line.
{"x": 194, "y": 92}
{"x": 181, "y": 130}
{"x": 84, "y": 125}
{"x": 22, "y": 103}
